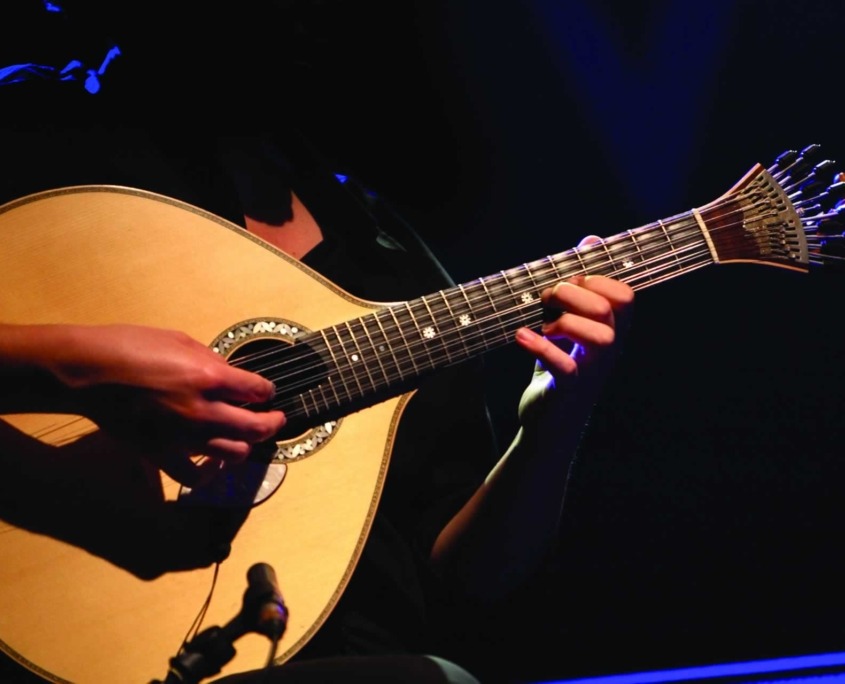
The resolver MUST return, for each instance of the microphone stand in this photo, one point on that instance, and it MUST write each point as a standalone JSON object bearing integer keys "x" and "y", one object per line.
{"x": 263, "y": 612}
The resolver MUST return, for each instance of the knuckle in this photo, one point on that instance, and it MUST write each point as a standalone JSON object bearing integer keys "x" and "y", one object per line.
{"x": 603, "y": 308}
{"x": 626, "y": 296}
{"x": 209, "y": 375}
{"x": 606, "y": 336}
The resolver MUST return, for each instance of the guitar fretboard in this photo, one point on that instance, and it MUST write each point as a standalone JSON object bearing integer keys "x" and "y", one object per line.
{"x": 350, "y": 365}
{"x": 402, "y": 342}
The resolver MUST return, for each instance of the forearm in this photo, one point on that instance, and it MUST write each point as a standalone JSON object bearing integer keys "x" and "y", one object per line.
{"x": 28, "y": 357}
{"x": 505, "y": 531}
{"x": 40, "y": 347}
{"x": 183, "y": 398}
{"x": 498, "y": 539}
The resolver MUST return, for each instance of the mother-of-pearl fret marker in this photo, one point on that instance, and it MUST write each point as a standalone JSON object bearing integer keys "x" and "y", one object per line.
{"x": 527, "y": 297}
{"x": 428, "y": 333}
{"x": 465, "y": 319}
{"x": 628, "y": 263}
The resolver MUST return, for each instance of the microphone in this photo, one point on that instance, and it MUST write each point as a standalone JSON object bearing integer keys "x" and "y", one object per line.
{"x": 263, "y": 611}
{"x": 263, "y": 602}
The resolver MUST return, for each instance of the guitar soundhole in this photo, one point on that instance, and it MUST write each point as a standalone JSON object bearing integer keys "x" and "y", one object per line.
{"x": 265, "y": 346}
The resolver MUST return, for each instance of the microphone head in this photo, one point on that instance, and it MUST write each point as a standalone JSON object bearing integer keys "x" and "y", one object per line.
{"x": 264, "y": 606}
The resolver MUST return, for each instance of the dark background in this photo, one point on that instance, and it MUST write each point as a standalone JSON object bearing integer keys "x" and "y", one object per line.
{"x": 704, "y": 520}
{"x": 703, "y": 523}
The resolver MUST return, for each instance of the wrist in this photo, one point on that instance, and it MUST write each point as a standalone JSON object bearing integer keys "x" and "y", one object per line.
{"x": 52, "y": 349}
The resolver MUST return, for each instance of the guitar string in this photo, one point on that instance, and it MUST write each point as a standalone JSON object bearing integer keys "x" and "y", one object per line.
{"x": 610, "y": 241}
{"x": 481, "y": 327}
{"x": 533, "y": 317}
{"x": 498, "y": 284}
{"x": 650, "y": 280}
{"x": 781, "y": 175}
{"x": 645, "y": 273}
{"x": 478, "y": 341}
{"x": 501, "y": 288}
{"x": 671, "y": 270}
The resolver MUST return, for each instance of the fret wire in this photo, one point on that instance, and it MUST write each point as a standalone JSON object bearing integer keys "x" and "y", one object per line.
{"x": 313, "y": 393}
{"x": 361, "y": 355}
{"x": 581, "y": 261}
{"x": 610, "y": 259}
{"x": 508, "y": 283}
{"x": 668, "y": 238}
{"x": 534, "y": 287}
{"x": 334, "y": 390}
{"x": 654, "y": 239}
{"x": 436, "y": 327}
{"x": 626, "y": 253}
{"x": 422, "y": 340}
{"x": 376, "y": 351}
{"x": 301, "y": 396}
{"x": 550, "y": 272}
{"x": 636, "y": 244}
{"x": 404, "y": 339}
{"x": 337, "y": 367}
{"x": 471, "y": 315}
{"x": 659, "y": 262}
{"x": 464, "y": 294}
{"x": 573, "y": 266}
{"x": 518, "y": 302}
{"x": 348, "y": 365}
{"x": 599, "y": 264}
{"x": 314, "y": 400}
{"x": 388, "y": 342}
{"x": 660, "y": 267}
{"x": 555, "y": 272}
{"x": 493, "y": 305}
{"x": 621, "y": 249}
{"x": 323, "y": 395}
{"x": 455, "y": 322}
{"x": 476, "y": 322}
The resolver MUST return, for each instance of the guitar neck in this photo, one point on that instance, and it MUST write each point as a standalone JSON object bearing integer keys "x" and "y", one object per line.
{"x": 359, "y": 362}
{"x": 404, "y": 341}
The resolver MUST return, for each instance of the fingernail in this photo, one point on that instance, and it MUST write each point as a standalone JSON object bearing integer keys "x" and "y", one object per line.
{"x": 526, "y": 335}
{"x": 267, "y": 396}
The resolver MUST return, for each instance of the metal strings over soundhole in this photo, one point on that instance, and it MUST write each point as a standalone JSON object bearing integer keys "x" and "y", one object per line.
{"x": 266, "y": 346}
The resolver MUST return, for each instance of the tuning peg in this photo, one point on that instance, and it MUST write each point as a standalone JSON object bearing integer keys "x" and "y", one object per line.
{"x": 810, "y": 151}
{"x": 830, "y": 198}
{"x": 835, "y": 194}
{"x": 823, "y": 167}
{"x": 800, "y": 169}
{"x": 812, "y": 185}
{"x": 830, "y": 226}
{"x": 784, "y": 159}
{"x": 812, "y": 188}
{"x": 782, "y": 162}
{"x": 796, "y": 165}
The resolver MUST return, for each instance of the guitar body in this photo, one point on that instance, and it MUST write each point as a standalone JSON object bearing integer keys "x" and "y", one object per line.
{"x": 99, "y": 586}
{"x": 105, "y": 564}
